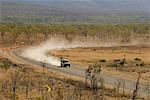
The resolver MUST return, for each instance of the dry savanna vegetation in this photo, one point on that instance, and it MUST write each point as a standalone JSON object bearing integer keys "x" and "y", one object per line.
{"x": 25, "y": 34}
{"x": 119, "y": 71}
{"x": 24, "y": 82}
{"x": 21, "y": 81}
{"x": 115, "y": 60}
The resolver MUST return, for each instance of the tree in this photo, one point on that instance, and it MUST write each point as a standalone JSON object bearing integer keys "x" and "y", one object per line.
{"x": 93, "y": 75}
{"x": 15, "y": 79}
{"x": 137, "y": 87}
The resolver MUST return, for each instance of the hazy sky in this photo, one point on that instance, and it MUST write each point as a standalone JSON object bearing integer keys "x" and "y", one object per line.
{"x": 74, "y": 0}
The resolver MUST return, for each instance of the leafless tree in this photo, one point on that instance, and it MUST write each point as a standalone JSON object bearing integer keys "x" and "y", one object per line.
{"x": 137, "y": 87}
{"x": 93, "y": 75}
{"x": 118, "y": 86}
{"x": 123, "y": 88}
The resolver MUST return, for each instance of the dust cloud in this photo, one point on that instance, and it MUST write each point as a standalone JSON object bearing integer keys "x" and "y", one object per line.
{"x": 39, "y": 53}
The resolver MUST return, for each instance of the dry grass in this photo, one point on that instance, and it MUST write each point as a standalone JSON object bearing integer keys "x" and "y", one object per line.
{"x": 86, "y": 56}
{"x": 66, "y": 89}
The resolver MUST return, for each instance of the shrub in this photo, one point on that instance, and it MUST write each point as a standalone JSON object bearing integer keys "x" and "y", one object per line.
{"x": 5, "y": 63}
{"x": 102, "y": 60}
{"x": 142, "y": 64}
{"x": 116, "y": 60}
{"x": 114, "y": 65}
{"x": 137, "y": 59}
{"x": 117, "y": 63}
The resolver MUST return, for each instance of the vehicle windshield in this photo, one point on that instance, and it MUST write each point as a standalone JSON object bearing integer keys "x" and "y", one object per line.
{"x": 65, "y": 61}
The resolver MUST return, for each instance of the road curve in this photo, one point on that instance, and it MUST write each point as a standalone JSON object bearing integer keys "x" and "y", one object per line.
{"x": 80, "y": 72}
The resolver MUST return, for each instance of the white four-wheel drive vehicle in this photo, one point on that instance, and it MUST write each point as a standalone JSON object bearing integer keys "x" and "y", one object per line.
{"x": 64, "y": 62}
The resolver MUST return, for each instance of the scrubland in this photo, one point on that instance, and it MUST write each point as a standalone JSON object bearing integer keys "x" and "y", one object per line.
{"x": 21, "y": 81}
{"x": 25, "y": 34}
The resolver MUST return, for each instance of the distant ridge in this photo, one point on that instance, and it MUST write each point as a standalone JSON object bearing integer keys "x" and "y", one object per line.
{"x": 78, "y": 11}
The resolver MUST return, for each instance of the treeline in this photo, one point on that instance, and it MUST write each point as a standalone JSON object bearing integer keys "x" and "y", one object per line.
{"x": 11, "y": 34}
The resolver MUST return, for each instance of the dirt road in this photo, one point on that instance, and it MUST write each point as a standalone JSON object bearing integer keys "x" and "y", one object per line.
{"x": 79, "y": 72}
